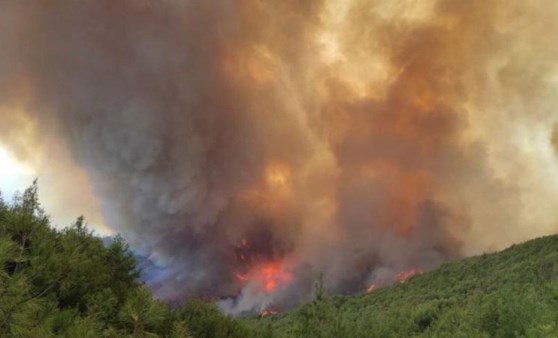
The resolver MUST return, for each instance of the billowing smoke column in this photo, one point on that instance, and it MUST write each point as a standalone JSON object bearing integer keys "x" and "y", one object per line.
{"x": 250, "y": 145}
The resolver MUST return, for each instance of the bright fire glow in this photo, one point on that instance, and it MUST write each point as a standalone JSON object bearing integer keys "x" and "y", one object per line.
{"x": 267, "y": 313}
{"x": 405, "y": 275}
{"x": 277, "y": 176}
{"x": 268, "y": 277}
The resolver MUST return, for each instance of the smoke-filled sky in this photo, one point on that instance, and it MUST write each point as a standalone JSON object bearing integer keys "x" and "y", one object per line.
{"x": 250, "y": 145}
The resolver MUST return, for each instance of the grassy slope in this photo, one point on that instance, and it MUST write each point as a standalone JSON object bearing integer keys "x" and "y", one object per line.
{"x": 510, "y": 293}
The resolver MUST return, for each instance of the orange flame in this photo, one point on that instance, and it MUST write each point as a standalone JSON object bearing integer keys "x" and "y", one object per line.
{"x": 267, "y": 313}
{"x": 272, "y": 275}
{"x": 268, "y": 277}
{"x": 405, "y": 275}
{"x": 241, "y": 277}
{"x": 371, "y": 288}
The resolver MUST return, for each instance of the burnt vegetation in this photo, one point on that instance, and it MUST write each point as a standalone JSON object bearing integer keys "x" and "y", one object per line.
{"x": 67, "y": 283}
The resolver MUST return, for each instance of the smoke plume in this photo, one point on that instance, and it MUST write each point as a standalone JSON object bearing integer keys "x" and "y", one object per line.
{"x": 250, "y": 145}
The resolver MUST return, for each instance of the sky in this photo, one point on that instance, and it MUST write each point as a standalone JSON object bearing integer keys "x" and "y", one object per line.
{"x": 16, "y": 176}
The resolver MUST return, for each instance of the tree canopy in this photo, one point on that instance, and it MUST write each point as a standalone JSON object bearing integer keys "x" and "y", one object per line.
{"x": 67, "y": 283}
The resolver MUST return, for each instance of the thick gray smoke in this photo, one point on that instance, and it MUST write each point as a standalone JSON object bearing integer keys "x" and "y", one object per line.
{"x": 249, "y": 146}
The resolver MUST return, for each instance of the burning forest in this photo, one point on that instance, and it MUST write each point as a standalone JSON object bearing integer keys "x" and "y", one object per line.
{"x": 248, "y": 146}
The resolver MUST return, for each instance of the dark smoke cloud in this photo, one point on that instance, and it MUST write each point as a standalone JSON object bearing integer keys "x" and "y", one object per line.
{"x": 233, "y": 137}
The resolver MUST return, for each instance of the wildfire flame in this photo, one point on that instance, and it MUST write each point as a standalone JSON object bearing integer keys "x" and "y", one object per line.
{"x": 359, "y": 141}
{"x": 405, "y": 275}
{"x": 371, "y": 288}
{"x": 267, "y": 313}
{"x": 241, "y": 277}
{"x": 268, "y": 276}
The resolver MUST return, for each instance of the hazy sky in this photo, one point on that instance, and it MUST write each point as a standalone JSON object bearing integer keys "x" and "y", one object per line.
{"x": 13, "y": 175}
{"x": 16, "y": 176}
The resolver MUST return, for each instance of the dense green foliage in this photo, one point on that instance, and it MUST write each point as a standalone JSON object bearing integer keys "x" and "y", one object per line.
{"x": 65, "y": 283}
{"x": 507, "y": 294}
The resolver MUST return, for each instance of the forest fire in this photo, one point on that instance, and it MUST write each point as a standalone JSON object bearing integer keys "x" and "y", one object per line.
{"x": 260, "y": 266}
{"x": 371, "y": 288}
{"x": 405, "y": 275}
{"x": 247, "y": 158}
{"x": 268, "y": 313}
{"x": 273, "y": 275}
{"x": 267, "y": 276}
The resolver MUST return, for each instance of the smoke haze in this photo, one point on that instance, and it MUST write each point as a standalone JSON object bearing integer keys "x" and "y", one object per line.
{"x": 250, "y": 145}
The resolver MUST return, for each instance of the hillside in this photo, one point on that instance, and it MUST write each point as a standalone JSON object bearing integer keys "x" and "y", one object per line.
{"x": 510, "y": 293}
{"x": 67, "y": 283}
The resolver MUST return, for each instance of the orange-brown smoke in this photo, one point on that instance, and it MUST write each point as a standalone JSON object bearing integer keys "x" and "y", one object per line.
{"x": 358, "y": 138}
{"x": 555, "y": 139}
